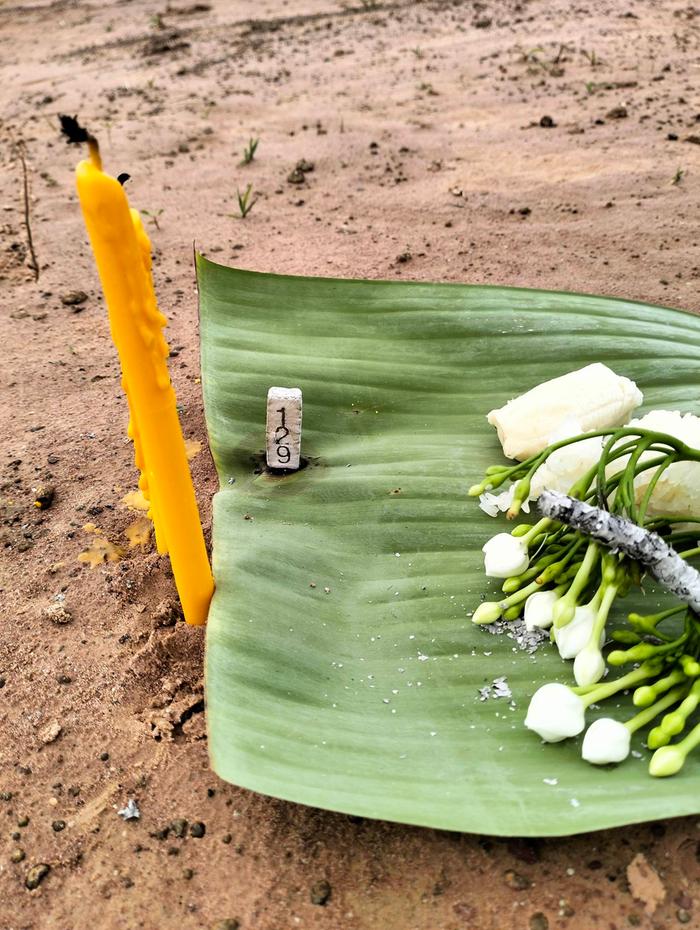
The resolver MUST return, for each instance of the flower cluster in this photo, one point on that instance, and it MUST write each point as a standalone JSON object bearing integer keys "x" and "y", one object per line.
{"x": 557, "y": 578}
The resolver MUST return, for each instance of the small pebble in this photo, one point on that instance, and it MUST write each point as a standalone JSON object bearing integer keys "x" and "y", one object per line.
{"x": 57, "y": 614}
{"x": 197, "y": 830}
{"x": 58, "y": 825}
{"x": 230, "y": 923}
{"x": 179, "y": 827}
{"x": 23, "y": 822}
{"x": 104, "y": 757}
{"x": 36, "y": 875}
{"x": 50, "y": 732}
{"x": 226, "y": 838}
{"x": 539, "y": 921}
{"x": 683, "y": 916}
{"x": 188, "y": 874}
{"x": 516, "y": 881}
{"x": 17, "y": 855}
{"x": 72, "y": 298}
{"x": 44, "y": 496}
{"x": 320, "y": 893}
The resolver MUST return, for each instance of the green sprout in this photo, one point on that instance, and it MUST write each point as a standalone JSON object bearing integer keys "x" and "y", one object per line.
{"x": 678, "y": 176}
{"x": 249, "y": 151}
{"x": 245, "y": 204}
{"x": 153, "y": 216}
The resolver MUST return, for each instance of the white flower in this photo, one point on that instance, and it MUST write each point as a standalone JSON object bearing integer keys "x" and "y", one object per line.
{"x": 487, "y": 612}
{"x": 565, "y": 466}
{"x": 556, "y": 713}
{"x": 493, "y": 504}
{"x": 593, "y": 396}
{"x": 678, "y": 489}
{"x": 538, "y": 609}
{"x": 589, "y": 666}
{"x": 505, "y": 556}
{"x": 572, "y": 638}
{"x": 606, "y": 740}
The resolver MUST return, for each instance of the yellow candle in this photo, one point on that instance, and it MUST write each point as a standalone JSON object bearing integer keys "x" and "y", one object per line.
{"x": 123, "y": 256}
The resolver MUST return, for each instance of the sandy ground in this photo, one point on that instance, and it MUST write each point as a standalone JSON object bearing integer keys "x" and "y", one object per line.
{"x": 426, "y": 123}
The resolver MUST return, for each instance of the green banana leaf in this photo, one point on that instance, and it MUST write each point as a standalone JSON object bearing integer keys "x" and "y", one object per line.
{"x": 342, "y": 668}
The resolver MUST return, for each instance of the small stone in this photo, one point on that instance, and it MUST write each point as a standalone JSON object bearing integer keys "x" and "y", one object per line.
{"x": 404, "y": 257}
{"x": 197, "y": 830}
{"x": 5, "y": 795}
{"x": 320, "y": 893}
{"x": 73, "y": 298}
{"x": 546, "y": 122}
{"x": 63, "y": 679}
{"x": 188, "y": 874}
{"x": 57, "y": 614}
{"x": 695, "y": 140}
{"x": 539, "y": 921}
{"x": 482, "y": 23}
{"x": 104, "y": 757}
{"x": 23, "y": 821}
{"x": 36, "y": 875}
{"x": 58, "y": 825}
{"x": 3, "y": 681}
{"x": 617, "y": 113}
{"x": 516, "y": 881}
{"x": 50, "y": 732}
{"x": 683, "y": 916}
{"x": 17, "y": 855}
{"x": 179, "y": 827}
{"x": 229, "y": 923}
{"x": 167, "y": 613}
{"x": 44, "y": 496}
{"x": 226, "y": 838}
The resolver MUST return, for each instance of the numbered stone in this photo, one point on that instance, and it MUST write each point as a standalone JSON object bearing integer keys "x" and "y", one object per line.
{"x": 283, "y": 430}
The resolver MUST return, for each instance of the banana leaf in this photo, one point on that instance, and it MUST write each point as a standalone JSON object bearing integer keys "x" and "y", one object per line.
{"x": 342, "y": 669}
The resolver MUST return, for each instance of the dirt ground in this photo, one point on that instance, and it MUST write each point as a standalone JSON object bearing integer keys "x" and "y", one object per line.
{"x": 538, "y": 143}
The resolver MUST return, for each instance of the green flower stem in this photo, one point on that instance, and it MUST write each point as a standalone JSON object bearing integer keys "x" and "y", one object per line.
{"x": 513, "y": 583}
{"x": 648, "y": 624}
{"x": 650, "y": 713}
{"x": 601, "y": 618}
{"x": 536, "y": 529}
{"x": 606, "y": 690}
{"x": 565, "y": 608}
{"x": 647, "y": 694}
{"x": 652, "y": 487}
{"x": 690, "y": 553}
{"x": 674, "y": 723}
{"x": 670, "y": 759}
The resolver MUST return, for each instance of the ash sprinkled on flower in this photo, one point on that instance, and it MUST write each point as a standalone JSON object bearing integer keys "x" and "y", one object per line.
{"x": 526, "y": 640}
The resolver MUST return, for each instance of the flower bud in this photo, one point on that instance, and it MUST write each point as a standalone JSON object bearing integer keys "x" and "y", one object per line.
{"x": 538, "y": 609}
{"x": 504, "y": 555}
{"x": 666, "y": 761}
{"x": 487, "y": 612}
{"x": 589, "y": 666}
{"x": 606, "y": 741}
{"x": 573, "y": 637}
{"x": 555, "y": 713}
